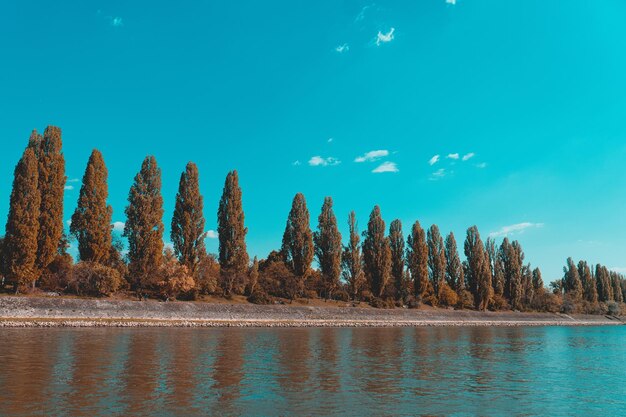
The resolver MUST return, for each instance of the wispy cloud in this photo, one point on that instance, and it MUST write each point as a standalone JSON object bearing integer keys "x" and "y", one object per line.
{"x": 117, "y": 21}
{"x": 73, "y": 180}
{"x": 454, "y": 156}
{"x": 361, "y": 14}
{"x": 384, "y": 37}
{"x": 468, "y": 156}
{"x": 119, "y": 226}
{"x": 386, "y": 167}
{"x": 452, "y": 2}
{"x": 432, "y": 161}
{"x": 372, "y": 156}
{"x": 68, "y": 187}
{"x": 317, "y": 161}
{"x": 481, "y": 165}
{"x": 515, "y": 229}
{"x": 296, "y": 163}
{"x": 330, "y": 140}
{"x": 437, "y": 175}
{"x": 342, "y": 48}
{"x": 212, "y": 234}
{"x": 68, "y": 222}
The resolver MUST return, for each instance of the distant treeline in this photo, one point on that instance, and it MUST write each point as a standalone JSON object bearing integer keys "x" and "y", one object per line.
{"x": 378, "y": 266}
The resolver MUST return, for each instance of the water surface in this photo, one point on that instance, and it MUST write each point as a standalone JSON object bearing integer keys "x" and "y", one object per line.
{"x": 399, "y": 371}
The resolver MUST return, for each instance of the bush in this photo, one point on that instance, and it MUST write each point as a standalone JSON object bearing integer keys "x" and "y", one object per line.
{"x": 341, "y": 295}
{"x": 58, "y": 274}
{"x": 431, "y": 300}
{"x": 466, "y": 300}
{"x": 90, "y": 278}
{"x": 173, "y": 278}
{"x": 447, "y": 296}
{"x": 498, "y": 303}
{"x": 380, "y": 303}
{"x": 413, "y": 302}
{"x": 260, "y": 297}
{"x": 614, "y": 308}
{"x": 548, "y": 301}
{"x": 207, "y": 275}
{"x": 570, "y": 305}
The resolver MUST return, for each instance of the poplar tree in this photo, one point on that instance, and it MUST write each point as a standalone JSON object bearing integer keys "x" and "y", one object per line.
{"x": 297, "y": 247}
{"x": 571, "y": 280}
{"x": 233, "y": 253}
{"x": 20, "y": 242}
{"x": 436, "y": 258}
{"x": 537, "y": 281}
{"x": 603, "y": 284}
{"x": 617, "y": 288}
{"x": 527, "y": 285}
{"x": 454, "y": 269}
{"x": 417, "y": 260}
{"x": 51, "y": 166}
{"x": 253, "y": 276}
{"x": 590, "y": 292}
{"x": 479, "y": 275}
{"x": 498, "y": 271}
{"x": 91, "y": 221}
{"x": 351, "y": 260}
{"x": 377, "y": 254}
{"x": 327, "y": 240}
{"x": 187, "y": 232}
{"x": 512, "y": 261}
{"x": 144, "y": 224}
{"x": 396, "y": 245}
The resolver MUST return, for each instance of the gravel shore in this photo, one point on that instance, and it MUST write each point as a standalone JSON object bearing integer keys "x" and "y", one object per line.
{"x": 72, "y": 312}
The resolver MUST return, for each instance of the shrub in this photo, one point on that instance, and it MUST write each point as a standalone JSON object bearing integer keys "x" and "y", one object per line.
{"x": 412, "y": 301}
{"x": 466, "y": 300}
{"x": 613, "y": 308}
{"x": 570, "y": 305}
{"x": 498, "y": 303}
{"x": 380, "y": 303}
{"x": 447, "y": 296}
{"x": 90, "y": 278}
{"x": 207, "y": 275}
{"x": 173, "y": 278}
{"x": 260, "y": 297}
{"x": 58, "y": 274}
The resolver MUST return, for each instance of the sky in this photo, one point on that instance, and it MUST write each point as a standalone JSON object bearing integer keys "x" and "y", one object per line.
{"x": 508, "y": 115}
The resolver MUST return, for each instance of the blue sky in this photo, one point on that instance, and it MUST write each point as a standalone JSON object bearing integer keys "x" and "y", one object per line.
{"x": 531, "y": 93}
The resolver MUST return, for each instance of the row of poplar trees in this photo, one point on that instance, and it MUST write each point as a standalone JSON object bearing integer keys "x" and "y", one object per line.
{"x": 35, "y": 228}
{"x": 582, "y": 282}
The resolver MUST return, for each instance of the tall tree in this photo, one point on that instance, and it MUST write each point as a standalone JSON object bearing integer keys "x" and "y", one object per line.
{"x": 233, "y": 253}
{"x": 479, "y": 274}
{"x": 328, "y": 247}
{"x": 571, "y": 280}
{"x": 436, "y": 258}
{"x": 188, "y": 220}
{"x": 537, "y": 281}
{"x": 91, "y": 221}
{"x": 377, "y": 253}
{"x": 297, "y": 248}
{"x": 590, "y": 292}
{"x": 144, "y": 224}
{"x": 20, "y": 243}
{"x": 51, "y": 188}
{"x": 396, "y": 245}
{"x": 512, "y": 261}
{"x": 603, "y": 284}
{"x": 417, "y": 260}
{"x": 454, "y": 269}
{"x": 499, "y": 280}
{"x": 617, "y": 288}
{"x": 351, "y": 260}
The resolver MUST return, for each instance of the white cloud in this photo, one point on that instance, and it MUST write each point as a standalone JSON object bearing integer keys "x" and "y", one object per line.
{"x": 386, "y": 167}
{"x": 330, "y": 140}
{"x": 452, "y": 2}
{"x": 454, "y": 156}
{"x": 468, "y": 156}
{"x": 116, "y": 21}
{"x": 317, "y": 161}
{"x": 119, "y": 226}
{"x": 73, "y": 180}
{"x": 361, "y": 14}
{"x": 618, "y": 269}
{"x": 342, "y": 48}
{"x": 515, "y": 229}
{"x": 432, "y": 161}
{"x": 481, "y": 165}
{"x": 372, "y": 156}
{"x": 69, "y": 187}
{"x": 440, "y": 173}
{"x": 212, "y": 234}
{"x": 384, "y": 37}
{"x": 68, "y": 222}
{"x": 295, "y": 163}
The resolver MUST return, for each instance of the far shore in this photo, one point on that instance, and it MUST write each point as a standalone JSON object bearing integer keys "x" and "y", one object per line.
{"x": 20, "y": 311}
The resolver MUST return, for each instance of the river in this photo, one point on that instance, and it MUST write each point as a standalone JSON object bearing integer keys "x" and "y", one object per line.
{"x": 379, "y": 371}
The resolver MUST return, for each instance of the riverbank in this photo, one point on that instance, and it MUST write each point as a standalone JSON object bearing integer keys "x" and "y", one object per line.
{"x": 73, "y": 312}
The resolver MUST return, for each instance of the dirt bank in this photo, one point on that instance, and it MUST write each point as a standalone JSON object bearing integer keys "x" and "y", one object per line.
{"x": 58, "y": 311}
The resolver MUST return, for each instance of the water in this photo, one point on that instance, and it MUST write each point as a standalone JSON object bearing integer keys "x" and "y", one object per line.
{"x": 421, "y": 371}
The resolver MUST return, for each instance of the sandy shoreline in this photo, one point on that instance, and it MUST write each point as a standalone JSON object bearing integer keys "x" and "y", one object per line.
{"x": 70, "y": 312}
